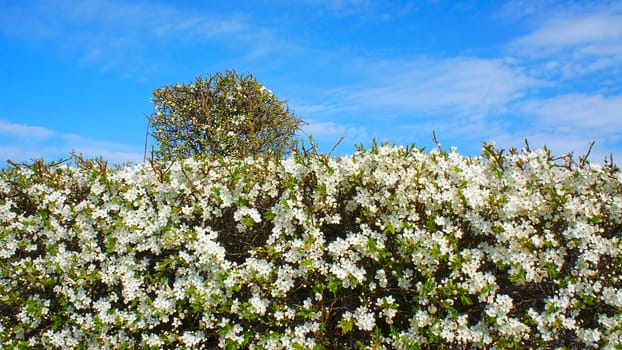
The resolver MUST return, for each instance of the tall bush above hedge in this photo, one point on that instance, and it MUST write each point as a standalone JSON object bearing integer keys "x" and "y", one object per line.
{"x": 225, "y": 114}
{"x": 387, "y": 248}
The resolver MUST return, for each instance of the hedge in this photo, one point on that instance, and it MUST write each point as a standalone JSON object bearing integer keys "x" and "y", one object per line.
{"x": 391, "y": 247}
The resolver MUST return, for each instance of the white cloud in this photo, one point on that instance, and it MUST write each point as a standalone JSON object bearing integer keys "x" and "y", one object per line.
{"x": 574, "y": 31}
{"x": 329, "y": 106}
{"x": 340, "y": 4}
{"x": 28, "y": 142}
{"x": 565, "y": 123}
{"x": 133, "y": 37}
{"x": 327, "y": 134}
{"x": 468, "y": 100}
{"x": 404, "y": 101}
{"x": 97, "y": 18}
{"x": 574, "y": 42}
{"x": 461, "y": 87}
{"x": 332, "y": 129}
{"x": 10, "y": 152}
{"x": 24, "y": 131}
{"x": 577, "y": 47}
{"x": 111, "y": 151}
{"x": 366, "y": 10}
{"x": 578, "y": 112}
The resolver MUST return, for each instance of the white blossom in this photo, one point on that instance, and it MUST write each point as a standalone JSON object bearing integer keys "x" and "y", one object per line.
{"x": 265, "y": 253}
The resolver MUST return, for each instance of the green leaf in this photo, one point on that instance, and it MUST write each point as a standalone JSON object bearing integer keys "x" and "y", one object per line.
{"x": 466, "y": 300}
{"x": 269, "y": 215}
{"x": 346, "y": 325}
{"x": 247, "y": 221}
{"x": 334, "y": 286}
{"x": 428, "y": 287}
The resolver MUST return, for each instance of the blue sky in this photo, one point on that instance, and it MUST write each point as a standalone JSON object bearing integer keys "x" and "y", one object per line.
{"x": 79, "y": 75}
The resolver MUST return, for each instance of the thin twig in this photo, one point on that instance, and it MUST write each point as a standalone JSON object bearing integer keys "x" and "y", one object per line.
{"x": 335, "y": 146}
{"x": 146, "y": 140}
{"x": 584, "y": 158}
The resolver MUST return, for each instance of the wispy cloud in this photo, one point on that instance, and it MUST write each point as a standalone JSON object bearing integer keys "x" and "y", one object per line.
{"x": 555, "y": 84}
{"x": 582, "y": 112}
{"x": 568, "y": 123}
{"x": 464, "y": 87}
{"x": 577, "y": 48}
{"x": 404, "y": 100}
{"x": 576, "y": 31}
{"x": 12, "y": 152}
{"x": 26, "y": 142}
{"x": 588, "y": 39}
{"x": 339, "y": 4}
{"x": 24, "y": 131}
{"x": 131, "y": 37}
{"x": 527, "y": 93}
{"x": 366, "y": 10}
{"x": 328, "y": 131}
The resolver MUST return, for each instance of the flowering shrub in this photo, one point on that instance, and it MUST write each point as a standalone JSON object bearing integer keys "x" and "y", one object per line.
{"x": 387, "y": 248}
{"x": 224, "y": 114}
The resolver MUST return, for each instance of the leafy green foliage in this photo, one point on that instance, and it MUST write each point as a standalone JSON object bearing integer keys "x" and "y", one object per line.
{"x": 223, "y": 115}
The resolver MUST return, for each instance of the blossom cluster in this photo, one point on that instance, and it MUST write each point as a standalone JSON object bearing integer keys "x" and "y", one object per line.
{"x": 391, "y": 247}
